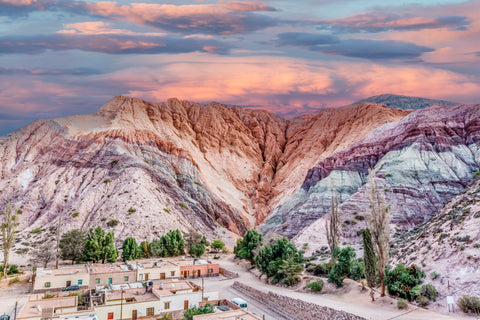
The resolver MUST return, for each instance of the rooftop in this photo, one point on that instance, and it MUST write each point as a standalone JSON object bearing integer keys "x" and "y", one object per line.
{"x": 190, "y": 262}
{"x": 62, "y": 271}
{"x": 141, "y": 294}
{"x": 34, "y": 308}
{"x": 239, "y": 314}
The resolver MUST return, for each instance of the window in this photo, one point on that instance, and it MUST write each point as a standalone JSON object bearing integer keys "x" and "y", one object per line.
{"x": 79, "y": 282}
{"x": 47, "y": 284}
{"x": 109, "y": 280}
{"x": 172, "y": 273}
{"x": 125, "y": 278}
{"x": 210, "y": 270}
{"x": 150, "y": 311}
{"x": 140, "y": 277}
{"x": 167, "y": 305}
{"x": 110, "y": 315}
{"x": 97, "y": 280}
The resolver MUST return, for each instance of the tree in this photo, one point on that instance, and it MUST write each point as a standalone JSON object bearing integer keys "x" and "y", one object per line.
{"x": 190, "y": 312}
{"x": 218, "y": 245}
{"x": 370, "y": 261}
{"x": 157, "y": 249}
{"x": 378, "y": 221}
{"x": 8, "y": 234}
{"x": 145, "y": 249}
{"x": 130, "y": 249}
{"x": 197, "y": 250}
{"x": 44, "y": 254}
{"x": 109, "y": 251}
{"x": 341, "y": 269}
{"x": 93, "y": 244}
{"x": 278, "y": 258}
{"x": 245, "y": 247}
{"x": 71, "y": 245}
{"x": 333, "y": 225}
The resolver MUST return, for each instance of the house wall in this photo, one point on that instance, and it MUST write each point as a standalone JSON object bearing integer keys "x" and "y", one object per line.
{"x": 192, "y": 270}
{"x": 117, "y": 278}
{"x": 154, "y": 273}
{"x": 176, "y": 304}
{"x": 58, "y": 282}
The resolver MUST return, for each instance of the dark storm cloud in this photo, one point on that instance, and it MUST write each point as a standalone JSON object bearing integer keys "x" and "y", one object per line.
{"x": 112, "y": 44}
{"x": 49, "y": 72}
{"x": 379, "y": 22}
{"x": 374, "y": 49}
{"x": 304, "y": 39}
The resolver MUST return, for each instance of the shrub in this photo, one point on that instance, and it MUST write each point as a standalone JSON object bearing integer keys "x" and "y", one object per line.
{"x": 357, "y": 270}
{"x": 443, "y": 236}
{"x": 107, "y": 181}
{"x": 166, "y": 210}
{"x": 183, "y": 205}
{"x": 424, "y": 294}
{"x": 469, "y": 304}
{"x": 315, "y": 286}
{"x": 310, "y": 267}
{"x": 75, "y": 214}
{"x": 322, "y": 269}
{"x": 361, "y": 218}
{"x": 401, "y": 280}
{"x": 423, "y": 301}
{"x": 402, "y": 303}
{"x": 291, "y": 281}
{"x": 463, "y": 239}
{"x": 37, "y": 230}
{"x": 112, "y": 223}
{"x": 434, "y": 275}
{"x": 131, "y": 211}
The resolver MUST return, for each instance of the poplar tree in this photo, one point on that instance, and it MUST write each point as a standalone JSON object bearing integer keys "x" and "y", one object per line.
{"x": 8, "y": 234}
{"x": 130, "y": 249}
{"x": 378, "y": 221}
{"x": 109, "y": 252}
{"x": 333, "y": 225}
{"x": 369, "y": 260}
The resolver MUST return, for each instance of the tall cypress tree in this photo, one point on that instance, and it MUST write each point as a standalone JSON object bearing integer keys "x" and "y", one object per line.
{"x": 109, "y": 252}
{"x": 370, "y": 260}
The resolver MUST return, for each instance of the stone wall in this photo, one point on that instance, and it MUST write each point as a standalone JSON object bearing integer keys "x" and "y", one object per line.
{"x": 293, "y": 308}
{"x": 228, "y": 274}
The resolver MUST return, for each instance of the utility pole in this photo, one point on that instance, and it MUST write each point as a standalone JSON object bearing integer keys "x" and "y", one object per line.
{"x": 121, "y": 305}
{"x": 15, "y": 314}
{"x": 203, "y": 287}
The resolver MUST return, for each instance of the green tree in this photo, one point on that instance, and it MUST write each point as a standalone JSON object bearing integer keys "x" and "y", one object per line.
{"x": 109, "y": 251}
{"x": 333, "y": 226}
{"x": 157, "y": 249}
{"x": 8, "y": 226}
{"x": 369, "y": 260}
{"x": 401, "y": 281}
{"x": 71, "y": 245}
{"x": 217, "y": 245}
{"x": 197, "y": 250}
{"x": 341, "y": 269}
{"x": 245, "y": 247}
{"x": 289, "y": 271}
{"x": 130, "y": 249}
{"x": 144, "y": 246}
{"x": 93, "y": 245}
{"x": 278, "y": 258}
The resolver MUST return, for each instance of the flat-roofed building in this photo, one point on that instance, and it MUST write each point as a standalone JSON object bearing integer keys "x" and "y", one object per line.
{"x": 103, "y": 275}
{"x": 155, "y": 270}
{"x": 194, "y": 268}
{"x": 166, "y": 297}
{"x": 48, "y": 308}
{"x": 57, "y": 279}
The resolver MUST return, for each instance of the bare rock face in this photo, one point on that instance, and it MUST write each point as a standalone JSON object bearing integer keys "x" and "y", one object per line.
{"x": 424, "y": 160}
{"x": 153, "y": 167}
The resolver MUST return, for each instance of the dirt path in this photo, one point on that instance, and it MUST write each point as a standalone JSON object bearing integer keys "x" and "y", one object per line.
{"x": 350, "y": 300}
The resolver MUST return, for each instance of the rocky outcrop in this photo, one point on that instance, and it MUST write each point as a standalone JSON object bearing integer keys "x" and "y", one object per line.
{"x": 424, "y": 160}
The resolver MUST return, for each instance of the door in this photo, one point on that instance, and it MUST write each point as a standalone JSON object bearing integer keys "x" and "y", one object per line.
{"x": 185, "y": 305}
{"x": 146, "y": 276}
{"x": 162, "y": 276}
{"x": 69, "y": 283}
{"x": 199, "y": 273}
{"x": 134, "y": 314}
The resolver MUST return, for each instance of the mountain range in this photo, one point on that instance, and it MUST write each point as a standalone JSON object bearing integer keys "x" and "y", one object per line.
{"x": 142, "y": 168}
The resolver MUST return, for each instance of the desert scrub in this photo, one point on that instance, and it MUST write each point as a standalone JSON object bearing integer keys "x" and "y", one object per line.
{"x": 469, "y": 304}
{"x": 37, "y": 230}
{"x": 402, "y": 303}
{"x": 112, "y": 223}
{"x": 166, "y": 210}
{"x": 434, "y": 275}
{"x": 75, "y": 214}
{"x": 315, "y": 286}
{"x": 131, "y": 211}
{"x": 183, "y": 205}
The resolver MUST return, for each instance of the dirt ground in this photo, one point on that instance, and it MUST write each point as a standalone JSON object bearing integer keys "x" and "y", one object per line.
{"x": 350, "y": 298}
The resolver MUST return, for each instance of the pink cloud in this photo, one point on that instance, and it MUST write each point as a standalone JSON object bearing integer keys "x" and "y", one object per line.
{"x": 100, "y": 27}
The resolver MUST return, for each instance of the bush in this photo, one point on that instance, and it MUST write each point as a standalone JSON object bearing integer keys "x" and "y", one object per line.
{"x": 37, "y": 230}
{"x": 290, "y": 281}
{"x": 463, "y": 239}
{"x": 434, "y": 275}
{"x": 423, "y": 301}
{"x": 357, "y": 270}
{"x": 401, "y": 280}
{"x": 315, "y": 286}
{"x": 75, "y": 214}
{"x": 322, "y": 269}
{"x": 310, "y": 267}
{"x": 112, "y": 223}
{"x": 131, "y": 211}
{"x": 361, "y": 218}
{"x": 402, "y": 303}
{"x": 469, "y": 304}
{"x": 424, "y": 294}
{"x": 183, "y": 205}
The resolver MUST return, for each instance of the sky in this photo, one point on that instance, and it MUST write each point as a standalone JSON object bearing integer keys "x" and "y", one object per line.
{"x": 63, "y": 57}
